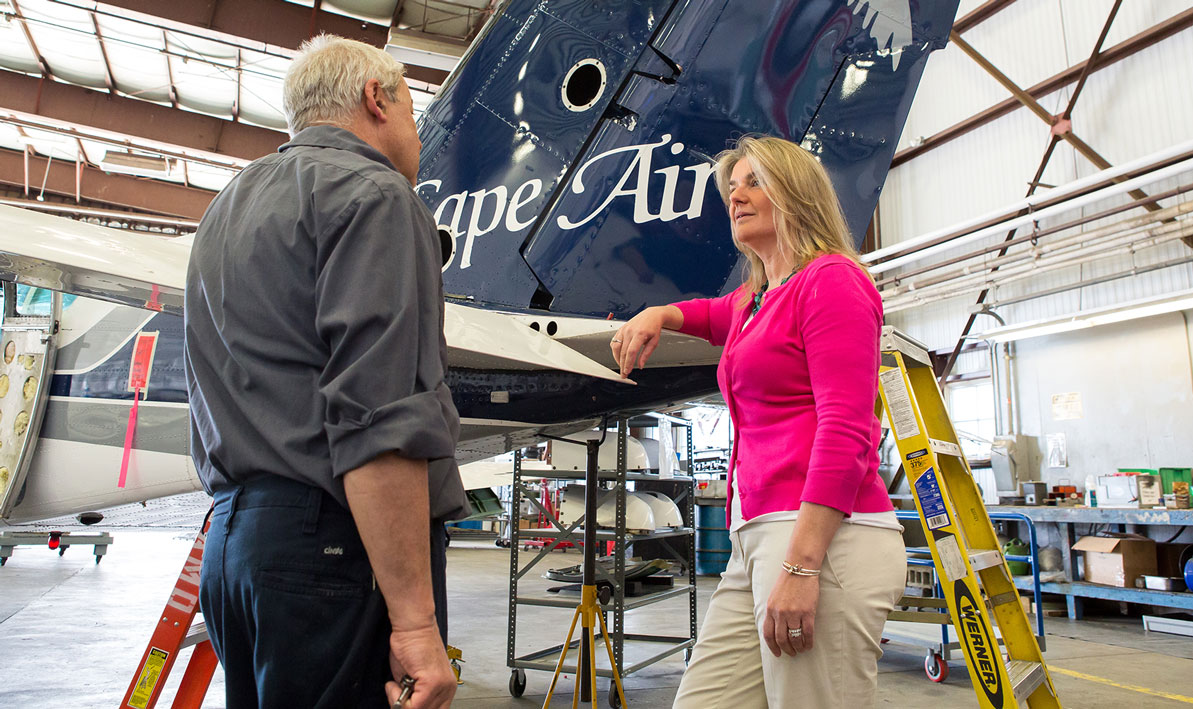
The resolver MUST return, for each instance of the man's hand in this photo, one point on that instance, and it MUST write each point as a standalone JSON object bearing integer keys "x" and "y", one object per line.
{"x": 419, "y": 653}
{"x": 389, "y": 501}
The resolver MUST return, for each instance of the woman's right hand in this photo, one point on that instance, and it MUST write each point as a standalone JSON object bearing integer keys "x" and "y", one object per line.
{"x": 635, "y": 341}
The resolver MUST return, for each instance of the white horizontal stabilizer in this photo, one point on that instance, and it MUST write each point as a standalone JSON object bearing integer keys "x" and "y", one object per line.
{"x": 483, "y": 339}
{"x": 591, "y": 337}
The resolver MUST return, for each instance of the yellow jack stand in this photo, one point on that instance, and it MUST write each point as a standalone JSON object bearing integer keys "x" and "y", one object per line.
{"x": 589, "y": 612}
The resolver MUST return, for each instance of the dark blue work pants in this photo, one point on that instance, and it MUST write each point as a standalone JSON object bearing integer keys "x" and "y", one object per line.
{"x": 289, "y": 599}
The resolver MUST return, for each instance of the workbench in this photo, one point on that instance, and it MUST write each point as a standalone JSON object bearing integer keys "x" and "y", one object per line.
{"x": 1076, "y": 591}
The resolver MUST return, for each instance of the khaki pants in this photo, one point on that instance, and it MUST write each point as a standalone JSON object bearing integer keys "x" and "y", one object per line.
{"x": 863, "y": 575}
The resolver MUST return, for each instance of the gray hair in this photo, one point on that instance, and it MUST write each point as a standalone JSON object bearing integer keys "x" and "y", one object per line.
{"x": 325, "y": 81}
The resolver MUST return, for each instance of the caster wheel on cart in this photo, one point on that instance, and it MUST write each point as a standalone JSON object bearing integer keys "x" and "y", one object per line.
{"x": 517, "y": 683}
{"x": 614, "y": 700}
{"x": 604, "y": 595}
{"x": 936, "y": 668}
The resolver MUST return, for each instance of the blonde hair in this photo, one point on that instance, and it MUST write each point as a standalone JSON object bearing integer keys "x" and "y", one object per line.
{"x": 326, "y": 80}
{"x": 808, "y": 218}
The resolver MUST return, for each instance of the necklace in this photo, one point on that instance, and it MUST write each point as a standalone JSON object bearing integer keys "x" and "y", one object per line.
{"x": 762, "y": 290}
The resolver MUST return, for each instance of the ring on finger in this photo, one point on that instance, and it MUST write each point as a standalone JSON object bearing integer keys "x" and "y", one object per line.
{"x": 616, "y": 340}
{"x": 795, "y": 632}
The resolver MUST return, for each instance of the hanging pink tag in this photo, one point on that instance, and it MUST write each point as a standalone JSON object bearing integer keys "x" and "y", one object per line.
{"x": 128, "y": 439}
{"x": 138, "y": 381}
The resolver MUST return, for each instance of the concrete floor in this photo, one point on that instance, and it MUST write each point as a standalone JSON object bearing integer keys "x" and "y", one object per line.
{"x": 72, "y": 631}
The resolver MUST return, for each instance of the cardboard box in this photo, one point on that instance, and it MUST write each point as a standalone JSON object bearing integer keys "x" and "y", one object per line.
{"x": 1117, "y": 561}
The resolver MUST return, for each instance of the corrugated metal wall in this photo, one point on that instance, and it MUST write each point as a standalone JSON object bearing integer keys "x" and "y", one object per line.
{"x": 1126, "y": 111}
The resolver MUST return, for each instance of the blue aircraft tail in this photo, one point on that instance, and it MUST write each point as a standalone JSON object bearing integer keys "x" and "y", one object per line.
{"x": 570, "y": 154}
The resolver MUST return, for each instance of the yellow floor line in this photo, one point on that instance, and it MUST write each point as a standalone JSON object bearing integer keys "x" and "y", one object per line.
{"x": 1112, "y": 683}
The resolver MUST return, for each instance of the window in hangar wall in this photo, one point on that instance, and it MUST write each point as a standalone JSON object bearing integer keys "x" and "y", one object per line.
{"x": 971, "y": 407}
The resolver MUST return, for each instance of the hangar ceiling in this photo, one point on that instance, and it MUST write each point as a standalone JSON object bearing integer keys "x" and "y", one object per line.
{"x": 97, "y": 99}
{"x": 151, "y": 107}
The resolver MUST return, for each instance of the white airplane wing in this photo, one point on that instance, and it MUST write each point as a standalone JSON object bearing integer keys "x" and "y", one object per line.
{"x": 142, "y": 270}
{"x": 149, "y": 271}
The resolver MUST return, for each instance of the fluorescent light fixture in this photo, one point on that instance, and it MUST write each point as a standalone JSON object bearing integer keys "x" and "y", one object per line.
{"x": 1146, "y": 307}
{"x": 135, "y": 164}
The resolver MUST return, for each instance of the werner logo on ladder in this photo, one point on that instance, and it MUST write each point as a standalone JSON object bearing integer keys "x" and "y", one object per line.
{"x": 964, "y": 548}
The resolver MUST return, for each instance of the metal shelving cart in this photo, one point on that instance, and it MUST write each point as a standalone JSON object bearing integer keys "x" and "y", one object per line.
{"x": 613, "y": 594}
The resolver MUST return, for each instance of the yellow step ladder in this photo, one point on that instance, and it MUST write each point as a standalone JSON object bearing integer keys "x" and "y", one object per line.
{"x": 964, "y": 548}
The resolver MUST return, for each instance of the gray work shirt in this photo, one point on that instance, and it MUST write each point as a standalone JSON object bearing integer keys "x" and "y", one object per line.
{"x": 314, "y": 323}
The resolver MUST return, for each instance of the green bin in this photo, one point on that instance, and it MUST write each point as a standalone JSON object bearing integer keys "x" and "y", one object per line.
{"x": 1170, "y": 475}
{"x": 1140, "y": 471}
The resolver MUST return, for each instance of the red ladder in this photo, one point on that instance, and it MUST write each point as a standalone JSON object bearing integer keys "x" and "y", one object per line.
{"x": 175, "y": 631}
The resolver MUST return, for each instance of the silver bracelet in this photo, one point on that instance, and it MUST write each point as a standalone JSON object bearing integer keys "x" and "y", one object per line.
{"x": 799, "y": 570}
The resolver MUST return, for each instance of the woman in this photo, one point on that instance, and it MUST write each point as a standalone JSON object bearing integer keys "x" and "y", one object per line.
{"x": 817, "y": 556}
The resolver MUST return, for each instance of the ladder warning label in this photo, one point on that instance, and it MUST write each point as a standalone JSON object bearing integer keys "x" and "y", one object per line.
{"x": 931, "y": 501}
{"x": 949, "y": 552}
{"x": 155, "y": 661}
{"x": 900, "y": 410}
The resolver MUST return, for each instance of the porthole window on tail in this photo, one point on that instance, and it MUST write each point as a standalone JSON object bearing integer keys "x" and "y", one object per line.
{"x": 584, "y": 85}
{"x": 447, "y": 246}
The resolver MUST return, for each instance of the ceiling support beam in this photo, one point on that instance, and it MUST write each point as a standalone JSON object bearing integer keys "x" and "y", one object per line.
{"x": 1061, "y": 127}
{"x": 169, "y": 71}
{"x": 109, "y": 80}
{"x": 95, "y": 109}
{"x": 1117, "y": 53}
{"x": 276, "y": 22}
{"x": 65, "y": 179}
{"x": 81, "y": 211}
{"x": 24, "y": 122}
{"x": 41, "y": 61}
{"x": 979, "y": 14}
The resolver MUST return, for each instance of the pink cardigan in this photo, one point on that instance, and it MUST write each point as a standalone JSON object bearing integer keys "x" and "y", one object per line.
{"x": 801, "y": 382}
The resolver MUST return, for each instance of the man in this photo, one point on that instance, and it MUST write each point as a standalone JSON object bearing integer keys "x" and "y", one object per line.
{"x": 321, "y": 423}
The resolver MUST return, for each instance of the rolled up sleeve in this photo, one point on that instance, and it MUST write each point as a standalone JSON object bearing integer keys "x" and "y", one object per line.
{"x": 379, "y": 312}
{"x": 708, "y": 318}
{"x": 841, "y": 318}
